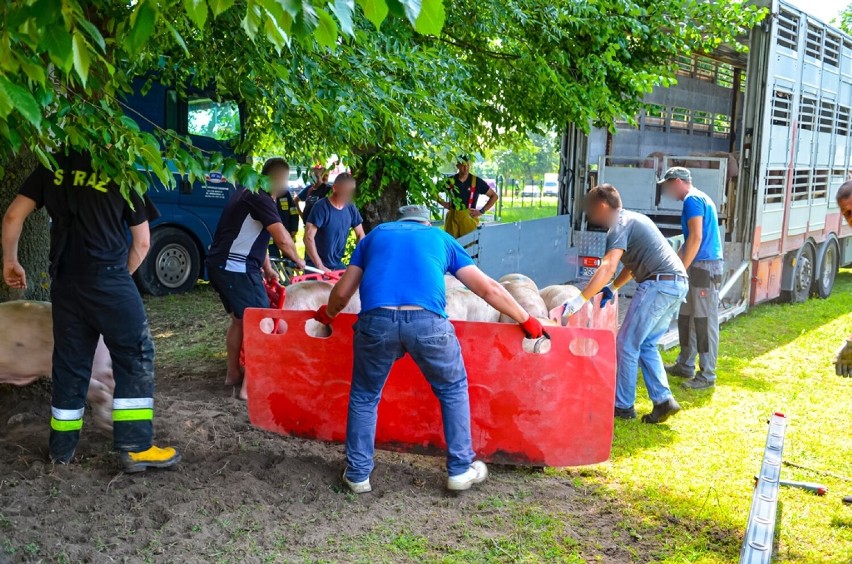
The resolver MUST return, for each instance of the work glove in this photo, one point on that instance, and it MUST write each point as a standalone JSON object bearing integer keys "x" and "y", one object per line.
{"x": 608, "y": 296}
{"x": 533, "y": 329}
{"x": 572, "y": 306}
{"x": 843, "y": 359}
{"x": 322, "y": 315}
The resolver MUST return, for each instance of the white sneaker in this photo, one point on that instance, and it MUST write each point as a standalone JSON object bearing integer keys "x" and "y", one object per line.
{"x": 477, "y": 473}
{"x": 358, "y": 487}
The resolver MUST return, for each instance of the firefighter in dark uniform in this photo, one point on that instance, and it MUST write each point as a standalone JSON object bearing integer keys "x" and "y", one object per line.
{"x": 278, "y": 170}
{"x": 93, "y": 294}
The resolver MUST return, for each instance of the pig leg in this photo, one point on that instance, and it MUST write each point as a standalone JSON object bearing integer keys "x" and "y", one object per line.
{"x": 101, "y": 388}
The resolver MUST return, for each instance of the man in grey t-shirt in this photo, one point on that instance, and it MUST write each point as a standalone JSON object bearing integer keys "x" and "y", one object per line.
{"x": 635, "y": 241}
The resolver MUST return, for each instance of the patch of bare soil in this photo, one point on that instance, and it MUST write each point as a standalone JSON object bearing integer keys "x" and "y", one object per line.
{"x": 245, "y": 495}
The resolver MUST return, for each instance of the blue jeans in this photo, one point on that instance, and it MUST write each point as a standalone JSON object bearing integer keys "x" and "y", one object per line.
{"x": 382, "y": 336}
{"x": 647, "y": 320}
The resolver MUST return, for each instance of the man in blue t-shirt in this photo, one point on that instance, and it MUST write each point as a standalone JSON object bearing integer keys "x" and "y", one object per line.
{"x": 400, "y": 269}
{"x": 698, "y": 320}
{"x": 327, "y": 227}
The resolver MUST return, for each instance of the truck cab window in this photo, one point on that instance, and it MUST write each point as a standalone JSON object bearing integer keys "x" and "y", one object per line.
{"x": 216, "y": 120}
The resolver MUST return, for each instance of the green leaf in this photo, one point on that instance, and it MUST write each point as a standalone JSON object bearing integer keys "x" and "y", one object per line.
{"x": 33, "y": 71}
{"x": 343, "y": 10}
{"x": 220, "y": 6}
{"x": 178, "y": 37}
{"x": 197, "y": 11}
{"x": 229, "y": 168}
{"x": 57, "y": 42}
{"x": 326, "y": 32}
{"x": 251, "y": 22}
{"x": 375, "y": 10}
{"x": 93, "y": 32}
{"x": 21, "y": 100}
{"x": 82, "y": 58}
{"x": 141, "y": 25}
{"x": 6, "y": 106}
{"x": 431, "y": 18}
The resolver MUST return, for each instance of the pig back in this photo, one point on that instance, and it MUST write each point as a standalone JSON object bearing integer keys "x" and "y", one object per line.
{"x": 26, "y": 341}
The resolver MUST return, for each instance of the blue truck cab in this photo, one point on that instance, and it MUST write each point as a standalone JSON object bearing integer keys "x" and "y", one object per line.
{"x": 189, "y": 213}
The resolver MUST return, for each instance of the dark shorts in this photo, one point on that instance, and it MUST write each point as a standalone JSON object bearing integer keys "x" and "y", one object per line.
{"x": 238, "y": 290}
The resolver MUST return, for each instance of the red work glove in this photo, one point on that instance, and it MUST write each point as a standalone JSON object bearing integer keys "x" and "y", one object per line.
{"x": 532, "y": 328}
{"x": 322, "y": 315}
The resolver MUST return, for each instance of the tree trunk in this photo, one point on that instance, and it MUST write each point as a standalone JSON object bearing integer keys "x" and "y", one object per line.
{"x": 34, "y": 246}
{"x": 379, "y": 205}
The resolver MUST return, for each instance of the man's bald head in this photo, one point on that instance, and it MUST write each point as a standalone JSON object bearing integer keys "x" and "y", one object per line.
{"x": 844, "y": 200}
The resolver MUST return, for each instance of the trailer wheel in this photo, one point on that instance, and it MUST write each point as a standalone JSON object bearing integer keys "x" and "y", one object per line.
{"x": 826, "y": 269}
{"x": 803, "y": 277}
{"x": 173, "y": 263}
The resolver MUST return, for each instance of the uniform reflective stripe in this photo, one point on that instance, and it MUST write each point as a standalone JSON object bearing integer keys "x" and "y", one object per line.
{"x": 132, "y": 414}
{"x": 66, "y": 414}
{"x": 133, "y": 403}
{"x": 62, "y": 425}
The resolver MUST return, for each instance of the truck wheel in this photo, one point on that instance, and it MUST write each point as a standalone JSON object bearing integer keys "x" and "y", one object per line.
{"x": 827, "y": 269}
{"x": 173, "y": 263}
{"x": 803, "y": 277}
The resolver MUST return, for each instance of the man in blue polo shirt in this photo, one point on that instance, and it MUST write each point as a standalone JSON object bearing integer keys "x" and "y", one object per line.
{"x": 400, "y": 269}
{"x": 698, "y": 320}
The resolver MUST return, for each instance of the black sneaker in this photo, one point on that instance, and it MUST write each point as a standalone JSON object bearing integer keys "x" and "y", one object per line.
{"x": 679, "y": 371}
{"x": 662, "y": 411}
{"x": 699, "y": 383}
{"x": 626, "y": 413}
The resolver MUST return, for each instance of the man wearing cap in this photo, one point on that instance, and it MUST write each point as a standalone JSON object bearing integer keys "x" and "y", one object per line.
{"x": 400, "y": 270}
{"x": 635, "y": 241}
{"x": 463, "y": 191}
{"x": 698, "y": 319}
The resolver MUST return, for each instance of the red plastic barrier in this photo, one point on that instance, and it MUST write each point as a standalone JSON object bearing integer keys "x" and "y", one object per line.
{"x": 592, "y": 315}
{"x": 553, "y": 409}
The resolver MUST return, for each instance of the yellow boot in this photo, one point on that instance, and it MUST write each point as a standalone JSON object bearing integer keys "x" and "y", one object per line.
{"x": 154, "y": 457}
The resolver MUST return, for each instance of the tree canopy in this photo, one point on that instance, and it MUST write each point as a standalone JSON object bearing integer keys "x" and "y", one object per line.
{"x": 392, "y": 86}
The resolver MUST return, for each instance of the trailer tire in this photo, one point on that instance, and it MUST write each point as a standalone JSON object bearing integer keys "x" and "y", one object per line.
{"x": 803, "y": 277}
{"x": 172, "y": 265}
{"x": 828, "y": 261}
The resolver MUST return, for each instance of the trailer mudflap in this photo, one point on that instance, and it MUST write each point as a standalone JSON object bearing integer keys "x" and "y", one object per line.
{"x": 553, "y": 409}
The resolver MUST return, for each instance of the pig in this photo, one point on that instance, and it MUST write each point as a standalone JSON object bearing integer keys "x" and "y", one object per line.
{"x": 464, "y": 305}
{"x": 312, "y": 294}
{"x": 26, "y": 351}
{"x": 525, "y": 292}
{"x": 451, "y": 282}
{"x": 557, "y": 295}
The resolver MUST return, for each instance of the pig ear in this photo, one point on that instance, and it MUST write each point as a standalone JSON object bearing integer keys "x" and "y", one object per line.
{"x": 556, "y": 315}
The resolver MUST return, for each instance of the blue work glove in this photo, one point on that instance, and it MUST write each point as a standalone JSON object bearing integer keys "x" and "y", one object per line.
{"x": 608, "y": 296}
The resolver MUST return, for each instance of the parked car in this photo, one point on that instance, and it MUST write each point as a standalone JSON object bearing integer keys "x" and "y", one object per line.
{"x": 530, "y": 191}
{"x": 551, "y": 189}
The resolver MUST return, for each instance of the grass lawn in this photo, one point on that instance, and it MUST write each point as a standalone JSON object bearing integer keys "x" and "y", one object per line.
{"x": 513, "y": 211}
{"x": 682, "y": 490}
{"x": 695, "y": 473}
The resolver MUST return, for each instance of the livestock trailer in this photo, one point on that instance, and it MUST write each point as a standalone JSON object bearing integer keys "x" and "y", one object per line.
{"x": 767, "y": 134}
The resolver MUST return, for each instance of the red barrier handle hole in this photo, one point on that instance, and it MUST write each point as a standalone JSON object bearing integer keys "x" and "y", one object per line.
{"x": 584, "y": 346}
{"x": 269, "y": 326}
{"x": 317, "y": 330}
{"x": 537, "y": 346}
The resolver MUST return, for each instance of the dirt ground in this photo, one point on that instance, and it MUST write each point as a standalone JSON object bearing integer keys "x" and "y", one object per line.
{"x": 245, "y": 495}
